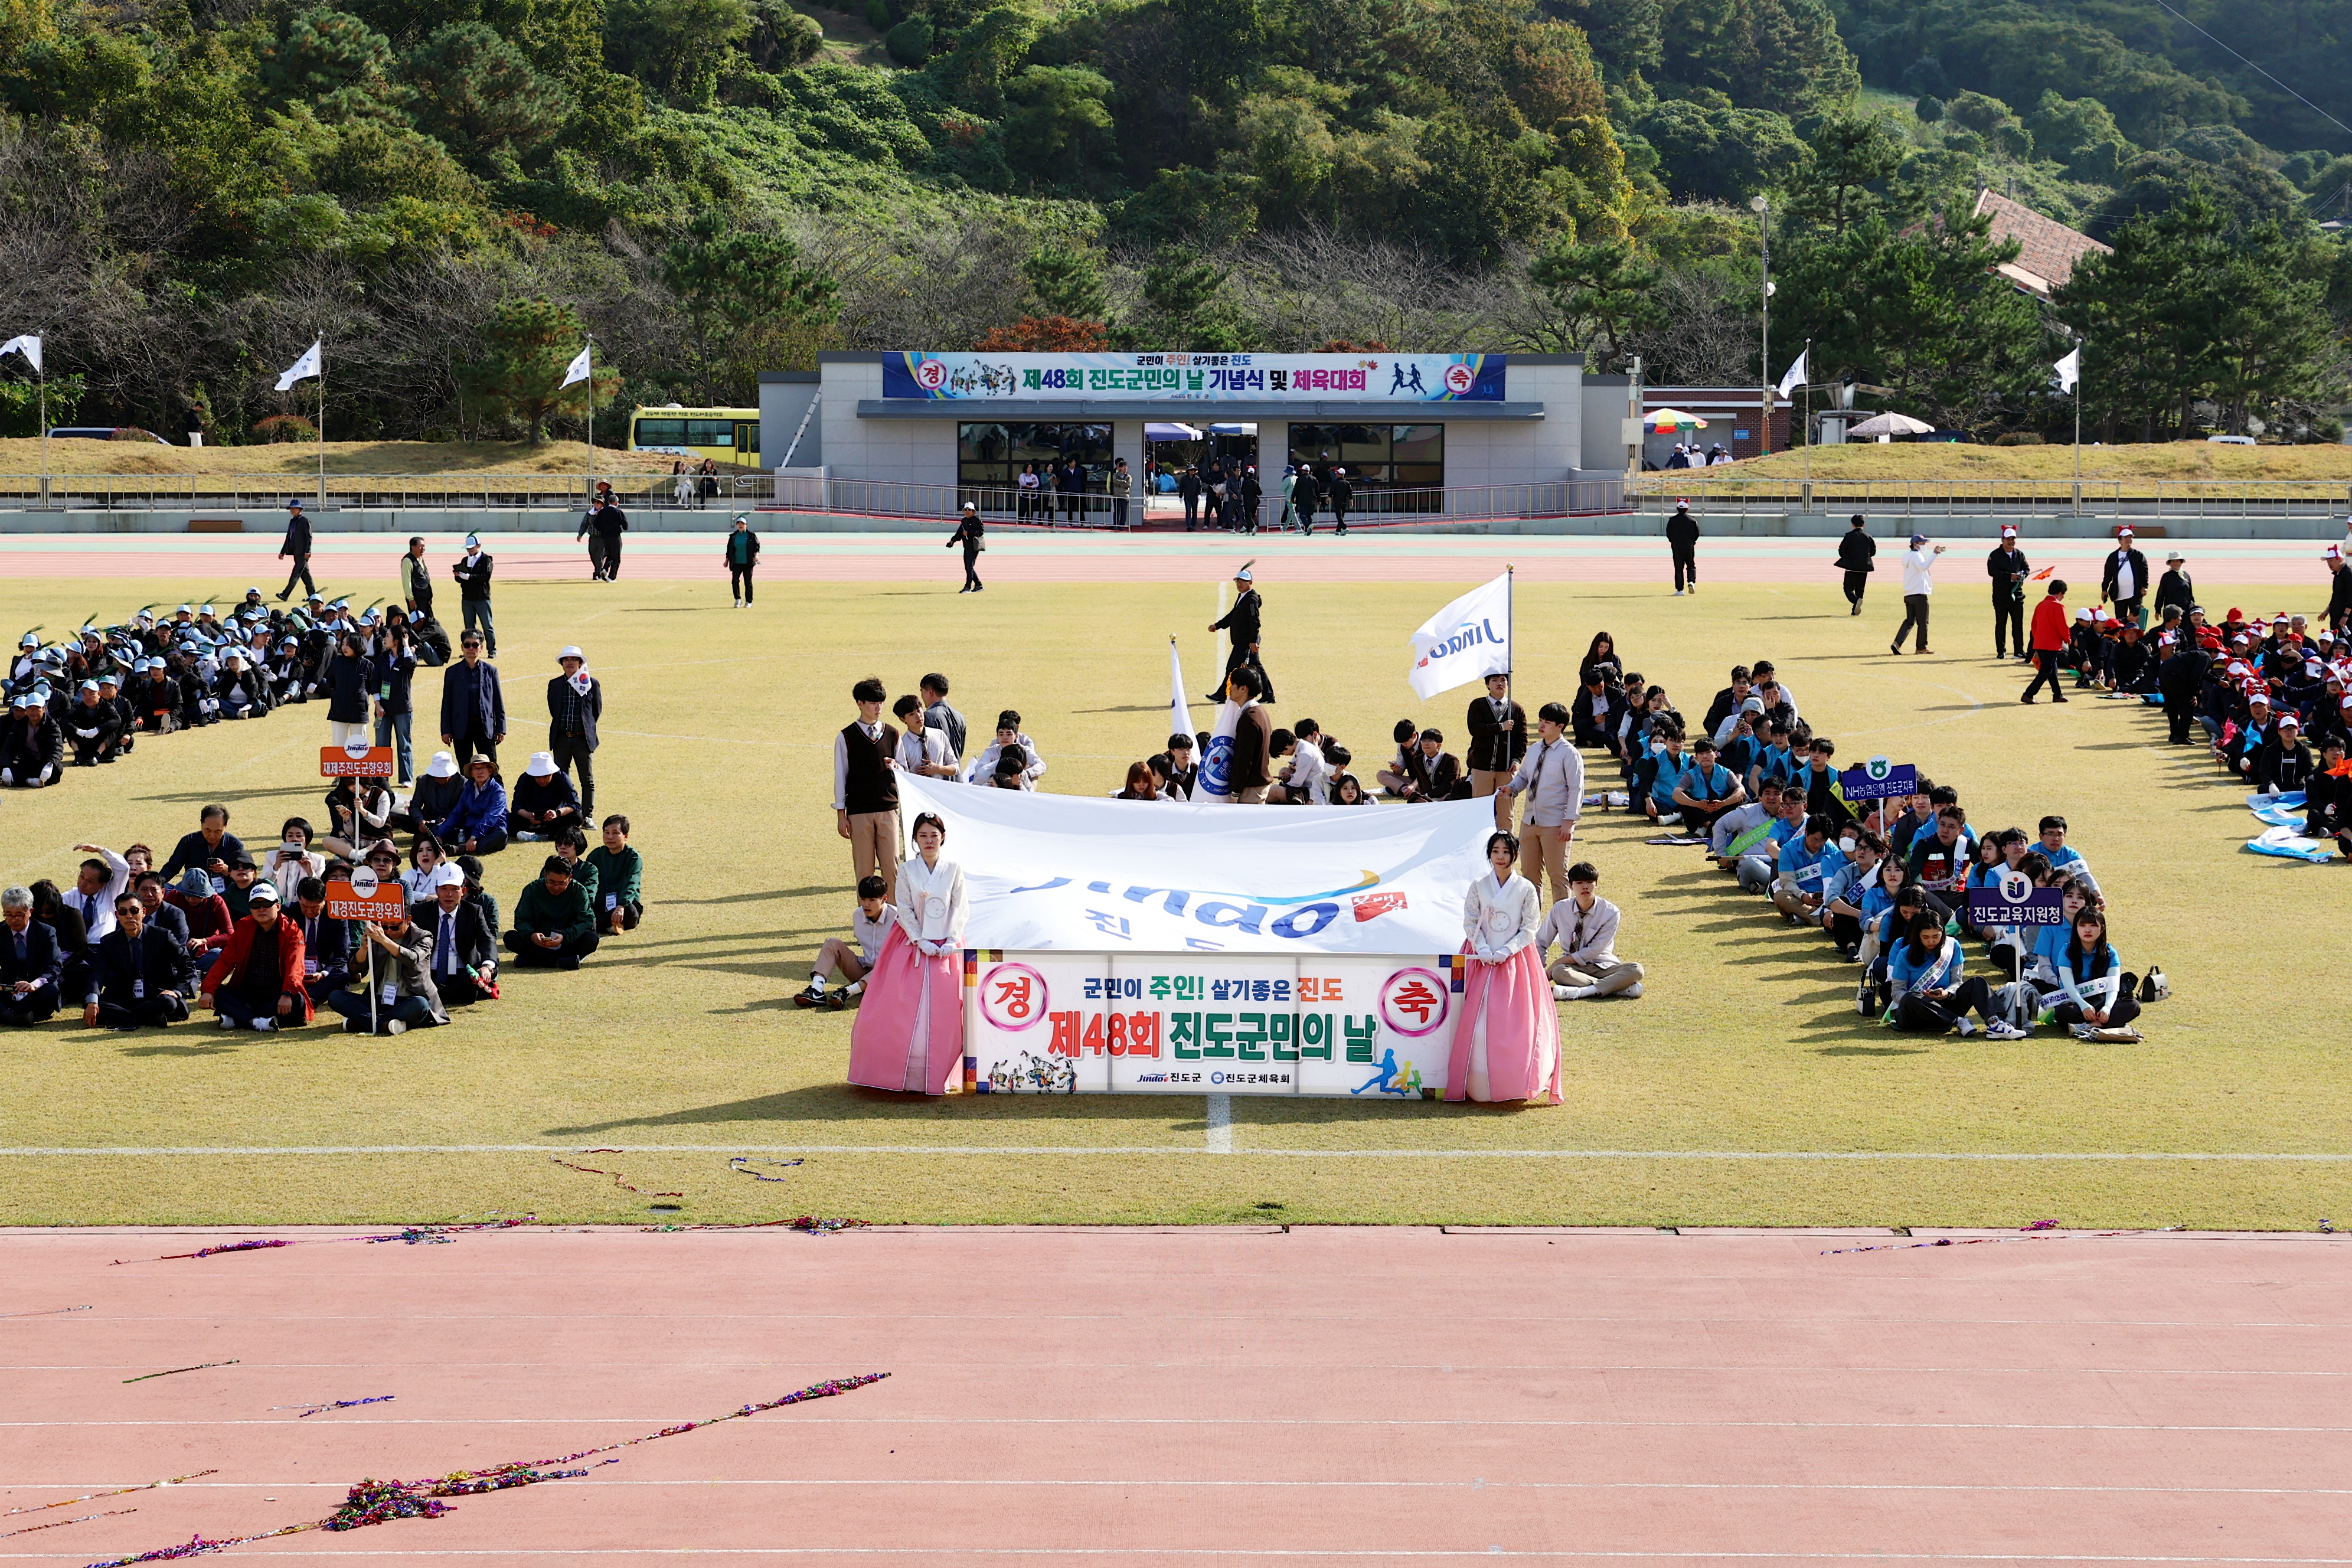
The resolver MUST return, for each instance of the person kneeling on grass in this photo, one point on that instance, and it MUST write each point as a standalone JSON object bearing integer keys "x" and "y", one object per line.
{"x": 554, "y": 926}
{"x": 620, "y": 873}
{"x": 403, "y": 996}
{"x": 1585, "y": 926}
{"x": 1930, "y": 994}
{"x": 869, "y": 923}
{"x": 544, "y": 802}
{"x": 257, "y": 979}
{"x": 476, "y": 824}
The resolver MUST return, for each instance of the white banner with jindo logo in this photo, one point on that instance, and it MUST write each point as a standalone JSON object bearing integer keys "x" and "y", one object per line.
{"x": 1362, "y": 1025}
{"x": 1064, "y": 873}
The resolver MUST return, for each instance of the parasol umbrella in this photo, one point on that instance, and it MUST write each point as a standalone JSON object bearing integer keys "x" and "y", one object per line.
{"x": 1891, "y": 425}
{"x": 1667, "y": 421}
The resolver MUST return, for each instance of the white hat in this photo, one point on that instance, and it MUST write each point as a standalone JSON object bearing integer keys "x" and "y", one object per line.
{"x": 90, "y": 686}
{"x": 29, "y": 640}
{"x": 442, "y": 766}
{"x": 2084, "y": 614}
{"x": 571, "y": 650}
{"x": 206, "y": 611}
{"x": 2007, "y": 532}
{"x": 262, "y": 893}
{"x": 541, "y": 765}
{"x": 2125, "y": 532}
{"x": 183, "y": 610}
{"x": 446, "y": 875}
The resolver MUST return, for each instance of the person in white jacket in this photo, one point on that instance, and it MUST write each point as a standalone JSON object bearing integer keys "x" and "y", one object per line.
{"x": 1008, "y": 733}
{"x": 1918, "y": 584}
{"x": 1507, "y": 1037}
{"x": 909, "y": 1031}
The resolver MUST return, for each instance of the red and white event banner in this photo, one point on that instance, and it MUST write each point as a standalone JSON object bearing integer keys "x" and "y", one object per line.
{"x": 1071, "y": 873}
{"x": 1355, "y": 1024}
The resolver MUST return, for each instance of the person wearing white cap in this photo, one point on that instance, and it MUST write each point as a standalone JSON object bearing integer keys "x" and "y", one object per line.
{"x": 437, "y": 789}
{"x": 741, "y": 553}
{"x": 2008, "y": 568}
{"x": 472, "y": 571}
{"x": 34, "y": 746}
{"x": 93, "y": 726}
{"x": 2124, "y": 579}
{"x": 972, "y": 533}
{"x": 1241, "y": 626}
{"x": 575, "y": 701}
{"x": 1918, "y": 585}
{"x": 465, "y": 950}
{"x": 2283, "y": 766}
{"x": 543, "y": 803}
{"x": 257, "y": 982}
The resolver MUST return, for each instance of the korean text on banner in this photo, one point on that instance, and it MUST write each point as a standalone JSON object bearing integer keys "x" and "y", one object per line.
{"x": 1468, "y": 640}
{"x": 1065, "y": 872}
{"x": 1879, "y": 779}
{"x": 1370, "y": 377}
{"x": 355, "y": 760}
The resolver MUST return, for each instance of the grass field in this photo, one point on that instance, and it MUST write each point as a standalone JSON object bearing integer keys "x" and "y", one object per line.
{"x": 23, "y": 456}
{"x": 1941, "y": 460}
{"x": 677, "y": 1046}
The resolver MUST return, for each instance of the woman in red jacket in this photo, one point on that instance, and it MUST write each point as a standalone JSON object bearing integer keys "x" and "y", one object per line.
{"x": 2050, "y": 633}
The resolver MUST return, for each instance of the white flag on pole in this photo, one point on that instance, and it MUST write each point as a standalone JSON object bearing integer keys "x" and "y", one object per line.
{"x": 1796, "y": 377}
{"x": 2070, "y": 370}
{"x": 577, "y": 371}
{"x": 1180, "y": 707}
{"x": 302, "y": 369}
{"x": 1214, "y": 784}
{"x": 1467, "y": 640}
{"x": 28, "y": 345}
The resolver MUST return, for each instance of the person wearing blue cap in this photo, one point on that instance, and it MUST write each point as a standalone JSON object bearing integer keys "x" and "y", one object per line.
{"x": 298, "y": 545}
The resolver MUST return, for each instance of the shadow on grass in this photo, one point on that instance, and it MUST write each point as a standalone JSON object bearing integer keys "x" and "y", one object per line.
{"x": 1870, "y": 1050}
{"x": 756, "y": 898}
{"x": 217, "y": 1048}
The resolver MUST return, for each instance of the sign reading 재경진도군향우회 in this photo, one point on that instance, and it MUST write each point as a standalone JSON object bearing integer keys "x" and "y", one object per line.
{"x": 1365, "y": 1027}
{"x": 1370, "y": 376}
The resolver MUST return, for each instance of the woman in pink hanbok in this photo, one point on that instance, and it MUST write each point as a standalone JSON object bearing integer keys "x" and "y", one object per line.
{"x": 909, "y": 1030}
{"x": 1507, "y": 1037}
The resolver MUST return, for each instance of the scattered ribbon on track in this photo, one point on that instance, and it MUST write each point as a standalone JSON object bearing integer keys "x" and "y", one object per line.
{"x": 176, "y": 1371}
{"x": 741, "y": 1164}
{"x": 372, "y": 1501}
{"x": 310, "y": 1410}
{"x": 62, "y": 1523}
{"x": 415, "y": 1235}
{"x": 2039, "y": 1225}
{"x": 807, "y": 1223}
{"x": 53, "y": 1312}
{"x": 593, "y": 1171}
{"x": 118, "y": 1491}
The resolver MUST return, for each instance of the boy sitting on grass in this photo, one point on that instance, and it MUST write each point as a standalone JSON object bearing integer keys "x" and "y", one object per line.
{"x": 619, "y": 879}
{"x": 869, "y": 923}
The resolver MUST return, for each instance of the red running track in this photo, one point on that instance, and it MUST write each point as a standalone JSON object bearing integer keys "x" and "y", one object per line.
{"x": 1133, "y": 1397}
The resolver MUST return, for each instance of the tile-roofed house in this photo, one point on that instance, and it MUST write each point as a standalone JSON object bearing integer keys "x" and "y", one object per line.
{"x": 2047, "y": 249}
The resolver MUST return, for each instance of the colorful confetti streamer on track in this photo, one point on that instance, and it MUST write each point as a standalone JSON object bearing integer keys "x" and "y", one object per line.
{"x": 593, "y": 1171}
{"x": 120, "y": 1491}
{"x": 176, "y": 1371}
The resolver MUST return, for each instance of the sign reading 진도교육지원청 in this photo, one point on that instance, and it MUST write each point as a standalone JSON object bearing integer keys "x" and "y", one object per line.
{"x": 1371, "y": 377}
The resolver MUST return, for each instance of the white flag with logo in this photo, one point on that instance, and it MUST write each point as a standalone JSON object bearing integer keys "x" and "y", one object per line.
{"x": 302, "y": 369}
{"x": 1796, "y": 377}
{"x": 1214, "y": 784}
{"x": 1180, "y": 707}
{"x": 2070, "y": 370}
{"x": 28, "y": 345}
{"x": 578, "y": 369}
{"x": 1468, "y": 640}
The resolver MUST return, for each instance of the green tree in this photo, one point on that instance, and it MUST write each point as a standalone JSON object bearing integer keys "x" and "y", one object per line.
{"x": 1851, "y": 154}
{"x": 1594, "y": 297}
{"x": 675, "y": 46}
{"x": 909, "y": 43}
{"x": 1478, "y": 195}
{"x": 1057, "y": 125}
{"x": 1710, "y": 150}
{"x": 332, "y": 59}
{"x": 526, "y": 346}
{"x": 737, "y": 288}
{"x": 1185, "y": 300}
{"x": 1214, "y": 42}
{"x": 481, "y": 98}
{"x": 1066, "y": 280}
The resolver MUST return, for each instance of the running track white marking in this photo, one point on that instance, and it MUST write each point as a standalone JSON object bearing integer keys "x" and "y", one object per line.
{"x": 1368, "y": 1554}
{"x": 965, "y": 1149}
{"x": 1220, "y": 1120}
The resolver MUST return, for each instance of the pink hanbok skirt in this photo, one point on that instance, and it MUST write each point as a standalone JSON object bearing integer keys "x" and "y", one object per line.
{"x": 1507, "y": 1007}
{"x": 908, "y": 1035}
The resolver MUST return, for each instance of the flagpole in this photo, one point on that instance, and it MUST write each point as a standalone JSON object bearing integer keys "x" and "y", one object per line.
{"x": 2078, "y": 426}
{"x": 323, "y": 427}
{"x": 43, "y": 379}
{"x": 1510, "y": 591}
{"x": 1806, "y": 389}
{"x": 592, "y": 420}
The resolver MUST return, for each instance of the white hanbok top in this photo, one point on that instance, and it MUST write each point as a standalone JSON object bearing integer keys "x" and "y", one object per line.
{"x": 1500, "y": 917}
{"x": 931, "y": 908}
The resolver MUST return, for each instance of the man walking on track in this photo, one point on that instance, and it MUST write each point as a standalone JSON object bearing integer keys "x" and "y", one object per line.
{"x": 298, "y": 545}
{"x": 2050, "y": 633}
{"x": 1681, "y": 538}
{"x": 970, "y": 533}
{"x": 1918, "y": 584}
{"x": 1857, "y": 558}
{"x": 1241, "y": 624}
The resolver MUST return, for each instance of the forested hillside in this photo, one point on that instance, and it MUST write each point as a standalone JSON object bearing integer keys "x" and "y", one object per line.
{"x": 451, "y": 191}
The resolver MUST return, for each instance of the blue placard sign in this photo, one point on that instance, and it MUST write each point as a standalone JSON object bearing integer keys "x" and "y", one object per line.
{"x": 2016, "y": 901}
{"x": 1879, "y": 779}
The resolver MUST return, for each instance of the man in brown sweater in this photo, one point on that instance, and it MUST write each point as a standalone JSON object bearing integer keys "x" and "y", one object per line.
{"x": 1253, "y": 763}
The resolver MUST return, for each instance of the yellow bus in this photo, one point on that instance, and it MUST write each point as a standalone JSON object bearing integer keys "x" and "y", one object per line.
{"x": 722, "y": 434}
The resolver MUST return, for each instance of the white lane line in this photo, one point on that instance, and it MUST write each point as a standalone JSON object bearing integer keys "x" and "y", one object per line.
{"x": 1220, "y": 1118}
{"x": 29, "y": 1151}
{"x": 1488, "y": 1553}
{"x": 1479, "y": 1485}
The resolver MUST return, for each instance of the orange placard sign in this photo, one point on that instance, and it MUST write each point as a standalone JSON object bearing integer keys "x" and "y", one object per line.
{"x": 355, "y": 762}
{"x": 365, "y": 899}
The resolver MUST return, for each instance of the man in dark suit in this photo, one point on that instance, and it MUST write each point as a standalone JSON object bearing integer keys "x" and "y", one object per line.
{"x": 472, "y": 571}
{"x": 1432, "y": 773}
{"x": 141, "y": 976}
{"x": 1188, "y": 488}
{"x": 2124, "y": 580}
{"x": 575, "y": 701}
{"x": 465, "y": 953}
{"x": 326, "y": 941}
{"x": 298, "y": 545}
{"x": 30, "y": 961}
{"x": 1240, "y": 625}
{"x": 473, "y": 704}
{"x": 1498, "y": 738}
{"x": 212, "y": 849}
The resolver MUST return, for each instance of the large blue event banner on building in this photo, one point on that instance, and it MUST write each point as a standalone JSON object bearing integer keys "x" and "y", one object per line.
{"x": 1369, "y": 376}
